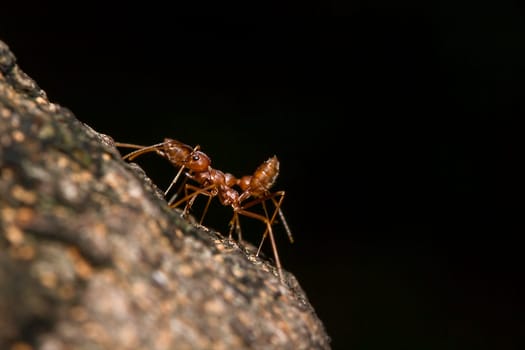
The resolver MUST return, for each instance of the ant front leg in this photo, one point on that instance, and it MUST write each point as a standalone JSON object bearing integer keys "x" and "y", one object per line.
{"x": 173, "y": 182}
{"x": 189, "y": 198}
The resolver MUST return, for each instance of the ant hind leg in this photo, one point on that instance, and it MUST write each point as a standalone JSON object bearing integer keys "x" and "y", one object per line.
{"x": 269, "y": 232}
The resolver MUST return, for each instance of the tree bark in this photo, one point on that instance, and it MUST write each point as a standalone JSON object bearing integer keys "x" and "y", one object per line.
{"x": 92, "y": 257}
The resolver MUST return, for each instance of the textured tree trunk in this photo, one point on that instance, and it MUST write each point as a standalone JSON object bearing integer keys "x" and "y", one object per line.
{"x": 92, "y": 257}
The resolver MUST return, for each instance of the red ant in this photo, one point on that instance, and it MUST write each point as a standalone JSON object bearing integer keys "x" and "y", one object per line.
{"x": 214, "y": 182}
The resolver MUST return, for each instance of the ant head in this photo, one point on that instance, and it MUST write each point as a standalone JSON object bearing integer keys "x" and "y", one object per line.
{"x": 198, "y": 161}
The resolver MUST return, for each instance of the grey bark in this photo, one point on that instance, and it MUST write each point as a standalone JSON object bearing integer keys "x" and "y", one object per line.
{"x": 92, "y": 257}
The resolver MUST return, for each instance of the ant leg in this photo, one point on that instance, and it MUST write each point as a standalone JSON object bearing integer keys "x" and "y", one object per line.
{"x": 232, "y": 224}
{"x": 286, "y": 227}
{"x": 190, "y": 201}
{"x": 205, "y": 208}
{"x": 283, "y": 221}
{"x": 235, "y": 224}
{"x": 178, "y": 192}
{"x": 277, "y": 204}
{"x": 270, "y": 233}
{"x": 189, "y": 198}
{"x": 196, "y": 192}
{"x": 175, "y": 179}
{"x": 265, "y": 231}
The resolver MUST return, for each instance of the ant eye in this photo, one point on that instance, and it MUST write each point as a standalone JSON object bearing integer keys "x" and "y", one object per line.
{"x": 196, "y": 158}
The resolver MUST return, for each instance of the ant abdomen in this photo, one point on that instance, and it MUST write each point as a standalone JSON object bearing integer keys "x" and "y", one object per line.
{"x": 262, "y": 179}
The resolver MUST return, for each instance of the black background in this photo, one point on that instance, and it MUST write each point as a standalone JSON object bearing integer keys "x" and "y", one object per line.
{"x": 395, "y": 124}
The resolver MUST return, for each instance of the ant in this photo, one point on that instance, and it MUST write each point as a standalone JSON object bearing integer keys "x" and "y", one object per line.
{"x": 215, "y": 183}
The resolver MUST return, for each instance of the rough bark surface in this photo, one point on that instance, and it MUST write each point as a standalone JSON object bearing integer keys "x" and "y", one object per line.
{"x": 91, "y": 256}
